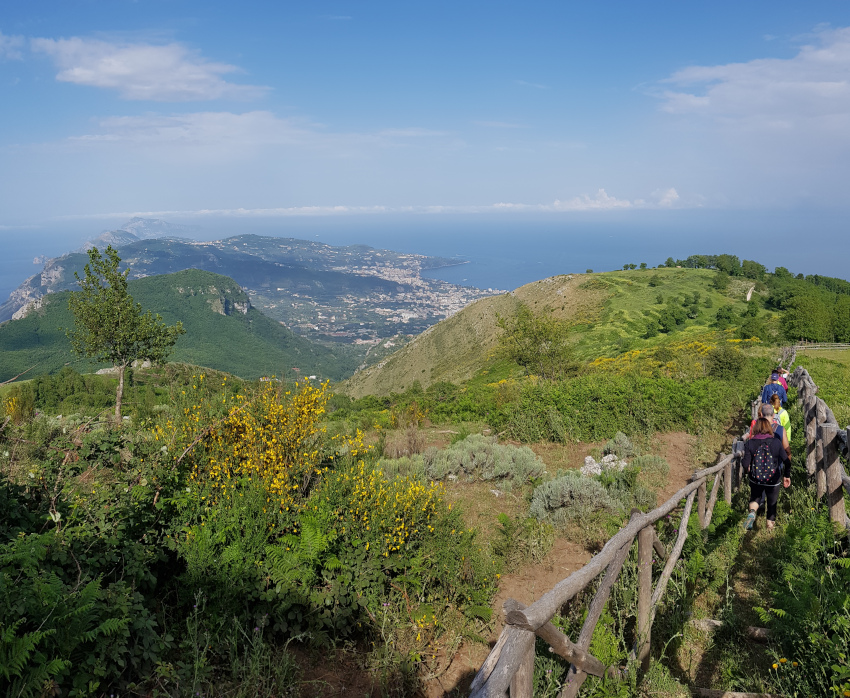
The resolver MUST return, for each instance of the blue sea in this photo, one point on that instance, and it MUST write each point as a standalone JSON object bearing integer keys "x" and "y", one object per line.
{"x": 507, "y": 251}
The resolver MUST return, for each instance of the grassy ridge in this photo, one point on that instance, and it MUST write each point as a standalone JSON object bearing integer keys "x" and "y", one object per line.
{"x": 218, "y": 334}
{"x": 608, "y": 314}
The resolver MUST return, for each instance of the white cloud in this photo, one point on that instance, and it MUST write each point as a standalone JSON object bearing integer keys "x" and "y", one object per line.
{"x": 164, "y": 73}
{"x": 808, "y": 91}
{"x": 600, "y": 202}
{"x": 535, "y": 85}
{"x": 201, "y": 129}
{"x": 10, "y": 47}
{"x": 666, "y": 197}
{"x": 212, "y": 135}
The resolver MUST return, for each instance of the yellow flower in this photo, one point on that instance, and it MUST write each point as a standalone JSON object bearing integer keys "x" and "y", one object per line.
{"x": 783, "y": 660}
{"x": 775, "y": 666}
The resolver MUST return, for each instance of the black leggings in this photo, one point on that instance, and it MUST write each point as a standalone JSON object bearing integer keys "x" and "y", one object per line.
{"x": 772, "y": 494}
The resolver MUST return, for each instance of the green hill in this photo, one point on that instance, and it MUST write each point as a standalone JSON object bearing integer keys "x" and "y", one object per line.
{"x": 223, "y": 331}
{"x": 608, "y": 314}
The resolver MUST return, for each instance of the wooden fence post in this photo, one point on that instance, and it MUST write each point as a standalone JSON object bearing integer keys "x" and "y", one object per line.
{"x": 644, "y": 627}
{"x": 828, "y": 434}
{"x": 701, "y": 503}
{"x": 522, "y": 684}
{"x": 727, "y": 482}
{"x": 811, "y": 416}
{"x": 821, "y": 472}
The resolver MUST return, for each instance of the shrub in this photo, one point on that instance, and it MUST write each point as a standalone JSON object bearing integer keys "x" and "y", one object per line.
{"x": 571, "y": 496}
{"x": 653, "y": 470}
{"x": 519, "y": 540}
{"x": 408, "y": 442}
{"x": 480, "y": 457}
{"x": 621, "y": 446}
{"x": 725, "y": 362}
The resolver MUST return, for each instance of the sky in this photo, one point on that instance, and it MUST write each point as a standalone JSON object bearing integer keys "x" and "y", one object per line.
{"x": 221, "y": 112}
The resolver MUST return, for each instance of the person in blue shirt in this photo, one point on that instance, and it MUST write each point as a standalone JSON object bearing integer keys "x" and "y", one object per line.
{"x": 773, "y": 387}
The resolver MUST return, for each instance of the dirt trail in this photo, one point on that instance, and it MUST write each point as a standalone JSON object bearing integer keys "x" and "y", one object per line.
{"x": 566, "y": 557}
{"x": 527, "y": 586}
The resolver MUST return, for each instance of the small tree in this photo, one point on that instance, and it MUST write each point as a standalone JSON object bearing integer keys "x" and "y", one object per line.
{"x": 110, "y": 326}
{"x": 538, "y": 343}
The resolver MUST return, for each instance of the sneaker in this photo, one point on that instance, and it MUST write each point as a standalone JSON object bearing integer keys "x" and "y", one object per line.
{"x": 748, "y": 524}
{"x": 770, "y": 525}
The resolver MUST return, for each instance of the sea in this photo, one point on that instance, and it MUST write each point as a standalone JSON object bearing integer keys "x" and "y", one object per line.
{"x": 506, "y": 251}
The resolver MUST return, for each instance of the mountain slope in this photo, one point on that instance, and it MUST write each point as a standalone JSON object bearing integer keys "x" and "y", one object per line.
{"x": 609, "y": 315}
{"x": 223, "y": 331}
{"x": 455, "y": 348}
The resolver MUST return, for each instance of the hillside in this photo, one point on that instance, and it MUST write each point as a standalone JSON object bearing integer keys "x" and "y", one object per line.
{"x": 223, "y": 331}
{"x": 608, "y": 313}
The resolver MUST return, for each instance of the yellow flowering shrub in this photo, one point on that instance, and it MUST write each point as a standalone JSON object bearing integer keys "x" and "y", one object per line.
{"x": 387, "y": 513}
{"x": 274, "y": 438}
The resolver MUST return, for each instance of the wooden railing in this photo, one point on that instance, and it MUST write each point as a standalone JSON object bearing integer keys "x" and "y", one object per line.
{"x": 825, "y": 440}
{"x": 821, "y": 345}
{"x": 510, "y": 664}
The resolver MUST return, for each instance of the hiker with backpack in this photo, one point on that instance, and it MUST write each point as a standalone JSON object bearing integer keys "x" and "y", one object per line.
{"x": 783, "y": 377}
{"x": 781, "y": 415}
{"x": 768, "y": 466}
{"x": 779, "y": 429}
{"x": 774, "y": 386}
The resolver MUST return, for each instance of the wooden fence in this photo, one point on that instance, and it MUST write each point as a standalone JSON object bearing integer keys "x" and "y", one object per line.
{"x": 820, "y": 345}
{"x": 510, "y": 664}
{"x": 825, "y": 440}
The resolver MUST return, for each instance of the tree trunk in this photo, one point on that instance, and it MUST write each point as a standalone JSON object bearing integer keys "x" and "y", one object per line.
{"x": 119, "y": 394}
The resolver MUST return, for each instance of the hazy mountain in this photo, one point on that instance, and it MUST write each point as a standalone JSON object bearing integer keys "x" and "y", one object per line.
{"x": 137, "y": 229}
{"x": 353, "y": 294}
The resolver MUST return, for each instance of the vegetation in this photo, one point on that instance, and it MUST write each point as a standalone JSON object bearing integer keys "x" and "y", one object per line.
{"x": 177, "y": 556}
{"x": 538, "y": 343}
{"x": 219, "y": 335}
{"x": 226, "y": 523}
{"x": 110, "y": 326}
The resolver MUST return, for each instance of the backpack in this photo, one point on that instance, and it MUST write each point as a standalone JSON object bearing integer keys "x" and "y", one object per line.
{"x": 764, "y": 466}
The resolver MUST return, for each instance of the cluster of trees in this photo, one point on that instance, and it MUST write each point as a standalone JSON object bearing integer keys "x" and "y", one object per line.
{"x": 726, "y": 263}
{"x": 815, "y": 309}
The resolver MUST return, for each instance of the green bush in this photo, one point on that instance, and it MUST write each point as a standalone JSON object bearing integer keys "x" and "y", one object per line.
{"x": 520, "y": 540}
{"x": 621, "y": 446}
{"x": 480, "y": 457}
{"x": 596, "y": 406}
{"x": 725, "y": 362}
{"x": 572, "y": 497}
{"x": 653, "y": 470}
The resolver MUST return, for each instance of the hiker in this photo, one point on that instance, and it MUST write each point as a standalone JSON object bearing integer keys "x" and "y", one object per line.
{"x": 767, "y": 411}
{"x": 783, "y": 377}
{"x": 773, "y": 386}
{"x": 781, "y": 414}
{"x": 768, "y": 465}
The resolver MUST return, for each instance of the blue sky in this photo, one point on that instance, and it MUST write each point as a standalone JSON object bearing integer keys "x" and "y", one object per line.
{"x": 194, "y": 110}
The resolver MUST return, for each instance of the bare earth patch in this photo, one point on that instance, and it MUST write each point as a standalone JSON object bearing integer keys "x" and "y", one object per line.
{"x": 527, "y": 585}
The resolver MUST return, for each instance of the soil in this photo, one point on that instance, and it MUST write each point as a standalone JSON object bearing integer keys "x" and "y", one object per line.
{"x": 565, "y": 557}
{"x": 526, "y": 586}
{"x": 676, "y": 447}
